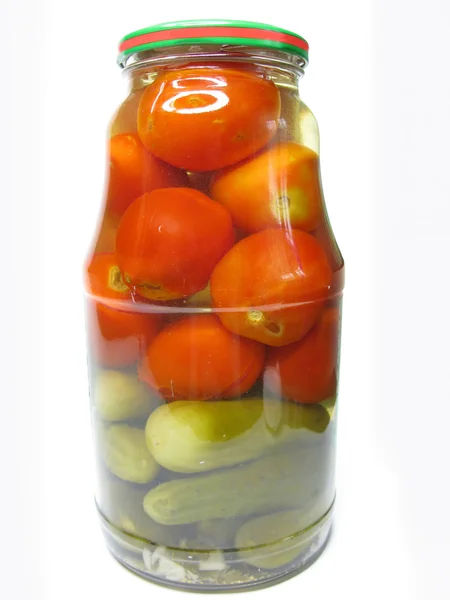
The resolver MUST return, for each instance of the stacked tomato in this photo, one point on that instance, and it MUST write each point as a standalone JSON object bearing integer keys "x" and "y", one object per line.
{"x": 217, "y": 275}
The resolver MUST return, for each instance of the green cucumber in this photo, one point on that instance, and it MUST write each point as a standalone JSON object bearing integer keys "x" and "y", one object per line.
{"x": 283, "y": 481}
{"x": 193, "y": 437}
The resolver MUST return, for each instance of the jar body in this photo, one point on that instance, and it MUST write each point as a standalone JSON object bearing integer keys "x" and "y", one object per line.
{"x": 213, "y": 303}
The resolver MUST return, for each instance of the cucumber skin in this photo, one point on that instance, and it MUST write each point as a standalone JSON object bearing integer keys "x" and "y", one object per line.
{"x": 176, "y": 447}
{"x": 282, "y": 481}
{"x": 265, "y": 542}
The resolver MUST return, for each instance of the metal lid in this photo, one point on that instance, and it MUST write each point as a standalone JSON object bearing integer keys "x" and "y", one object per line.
{"x": 221, "y": 32}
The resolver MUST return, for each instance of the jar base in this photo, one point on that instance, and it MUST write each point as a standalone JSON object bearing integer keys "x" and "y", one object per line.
{"x": 217, "y": 571}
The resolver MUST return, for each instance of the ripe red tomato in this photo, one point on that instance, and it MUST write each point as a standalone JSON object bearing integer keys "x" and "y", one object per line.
{"x": 196, "y": 358}
{"x": 169, "y": 241}
{"x": 306, "y": 370}
{"x": 203, "y": 119}
{"x": 274, "y": 284}
{"x": 106, "y": 234}
{"x": 133, "y": 171}
{"x": 118, "y": 336}
{"x": 125, "y": 119}
{"x": 279, "y": 188}
{"x": 104, "y": 278}
{"x": 324, "y": 235}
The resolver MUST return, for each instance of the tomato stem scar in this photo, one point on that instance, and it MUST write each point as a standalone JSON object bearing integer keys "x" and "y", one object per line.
{"x": 115, "y": 280}
{"x": 257, "y": 317}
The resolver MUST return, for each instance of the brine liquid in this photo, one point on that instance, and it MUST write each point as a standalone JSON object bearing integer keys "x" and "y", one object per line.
{"x": 240, "y": 486}
{"x": 214, "y": 427}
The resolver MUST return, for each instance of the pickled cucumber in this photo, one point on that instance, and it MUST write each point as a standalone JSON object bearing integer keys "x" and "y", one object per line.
{"x": 121, "y": 504}
{"x": 330, "y": 405}
{"x": 118, "y": 396}
{"x": 126, "y": 455}
{"x": 218, "y": 533}
{"x": 275, "y": 540}
{"x": 285, "y": 480}
{"x": 193, "y": 437}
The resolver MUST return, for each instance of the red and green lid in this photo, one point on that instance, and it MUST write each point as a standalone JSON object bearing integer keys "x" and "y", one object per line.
{"x": 239, "y": 33}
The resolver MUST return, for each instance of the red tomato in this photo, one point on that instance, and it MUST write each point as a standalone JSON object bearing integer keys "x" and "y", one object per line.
{"x": 118, "y": 337}
{"x": 197, "y": 358}
{"x": 133, "y": 171}
{"x": 125, "y": 119}
{"x": 169, "y": 241}
{"x": 203, "y": 119}
{"x": 279, "y": 188}
{"x": 106, "y": 235}
{"x": 324, "y": 235}
{"x": 306, "y": 371}
{"x": 104, "y": 278}
{"x": 275, "y": 283}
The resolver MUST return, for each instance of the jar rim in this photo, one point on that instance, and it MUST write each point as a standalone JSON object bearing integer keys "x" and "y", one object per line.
{"x": 216, "y": 32}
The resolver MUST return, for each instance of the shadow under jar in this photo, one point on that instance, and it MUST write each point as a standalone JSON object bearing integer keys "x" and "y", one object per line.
{"x": 213, "y": 309}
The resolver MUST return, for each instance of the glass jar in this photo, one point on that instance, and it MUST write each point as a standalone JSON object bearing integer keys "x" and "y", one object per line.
{"x": 213, "y": 304}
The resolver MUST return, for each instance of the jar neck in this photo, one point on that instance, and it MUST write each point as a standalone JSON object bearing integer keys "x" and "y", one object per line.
{"x": 284, "y": 69}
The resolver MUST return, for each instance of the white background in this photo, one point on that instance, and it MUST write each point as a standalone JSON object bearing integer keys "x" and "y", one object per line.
{"x": 378, "y": 83}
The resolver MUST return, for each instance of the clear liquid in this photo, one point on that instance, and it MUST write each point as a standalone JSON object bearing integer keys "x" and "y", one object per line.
{"x": 215, "y": 451}
{"x": 241, "y": 482}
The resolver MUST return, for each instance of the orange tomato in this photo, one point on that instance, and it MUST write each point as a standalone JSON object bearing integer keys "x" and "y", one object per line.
{"x": 274, "y": 284}
{"x": 125, "y": 119}
{"x": 133, "y": 171}
{"x": 203, "y": 119}
{"x": 106, "y": 235}
{"x": 169, "y": 241}
{"x": 306, "y": 371}
{"x": 118, "y": 337}
{"x": 104, "y": 278}
{"x": 279, "y": 188}
{"x": 325, "y": 236}
{"x": 197, "y": 358}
